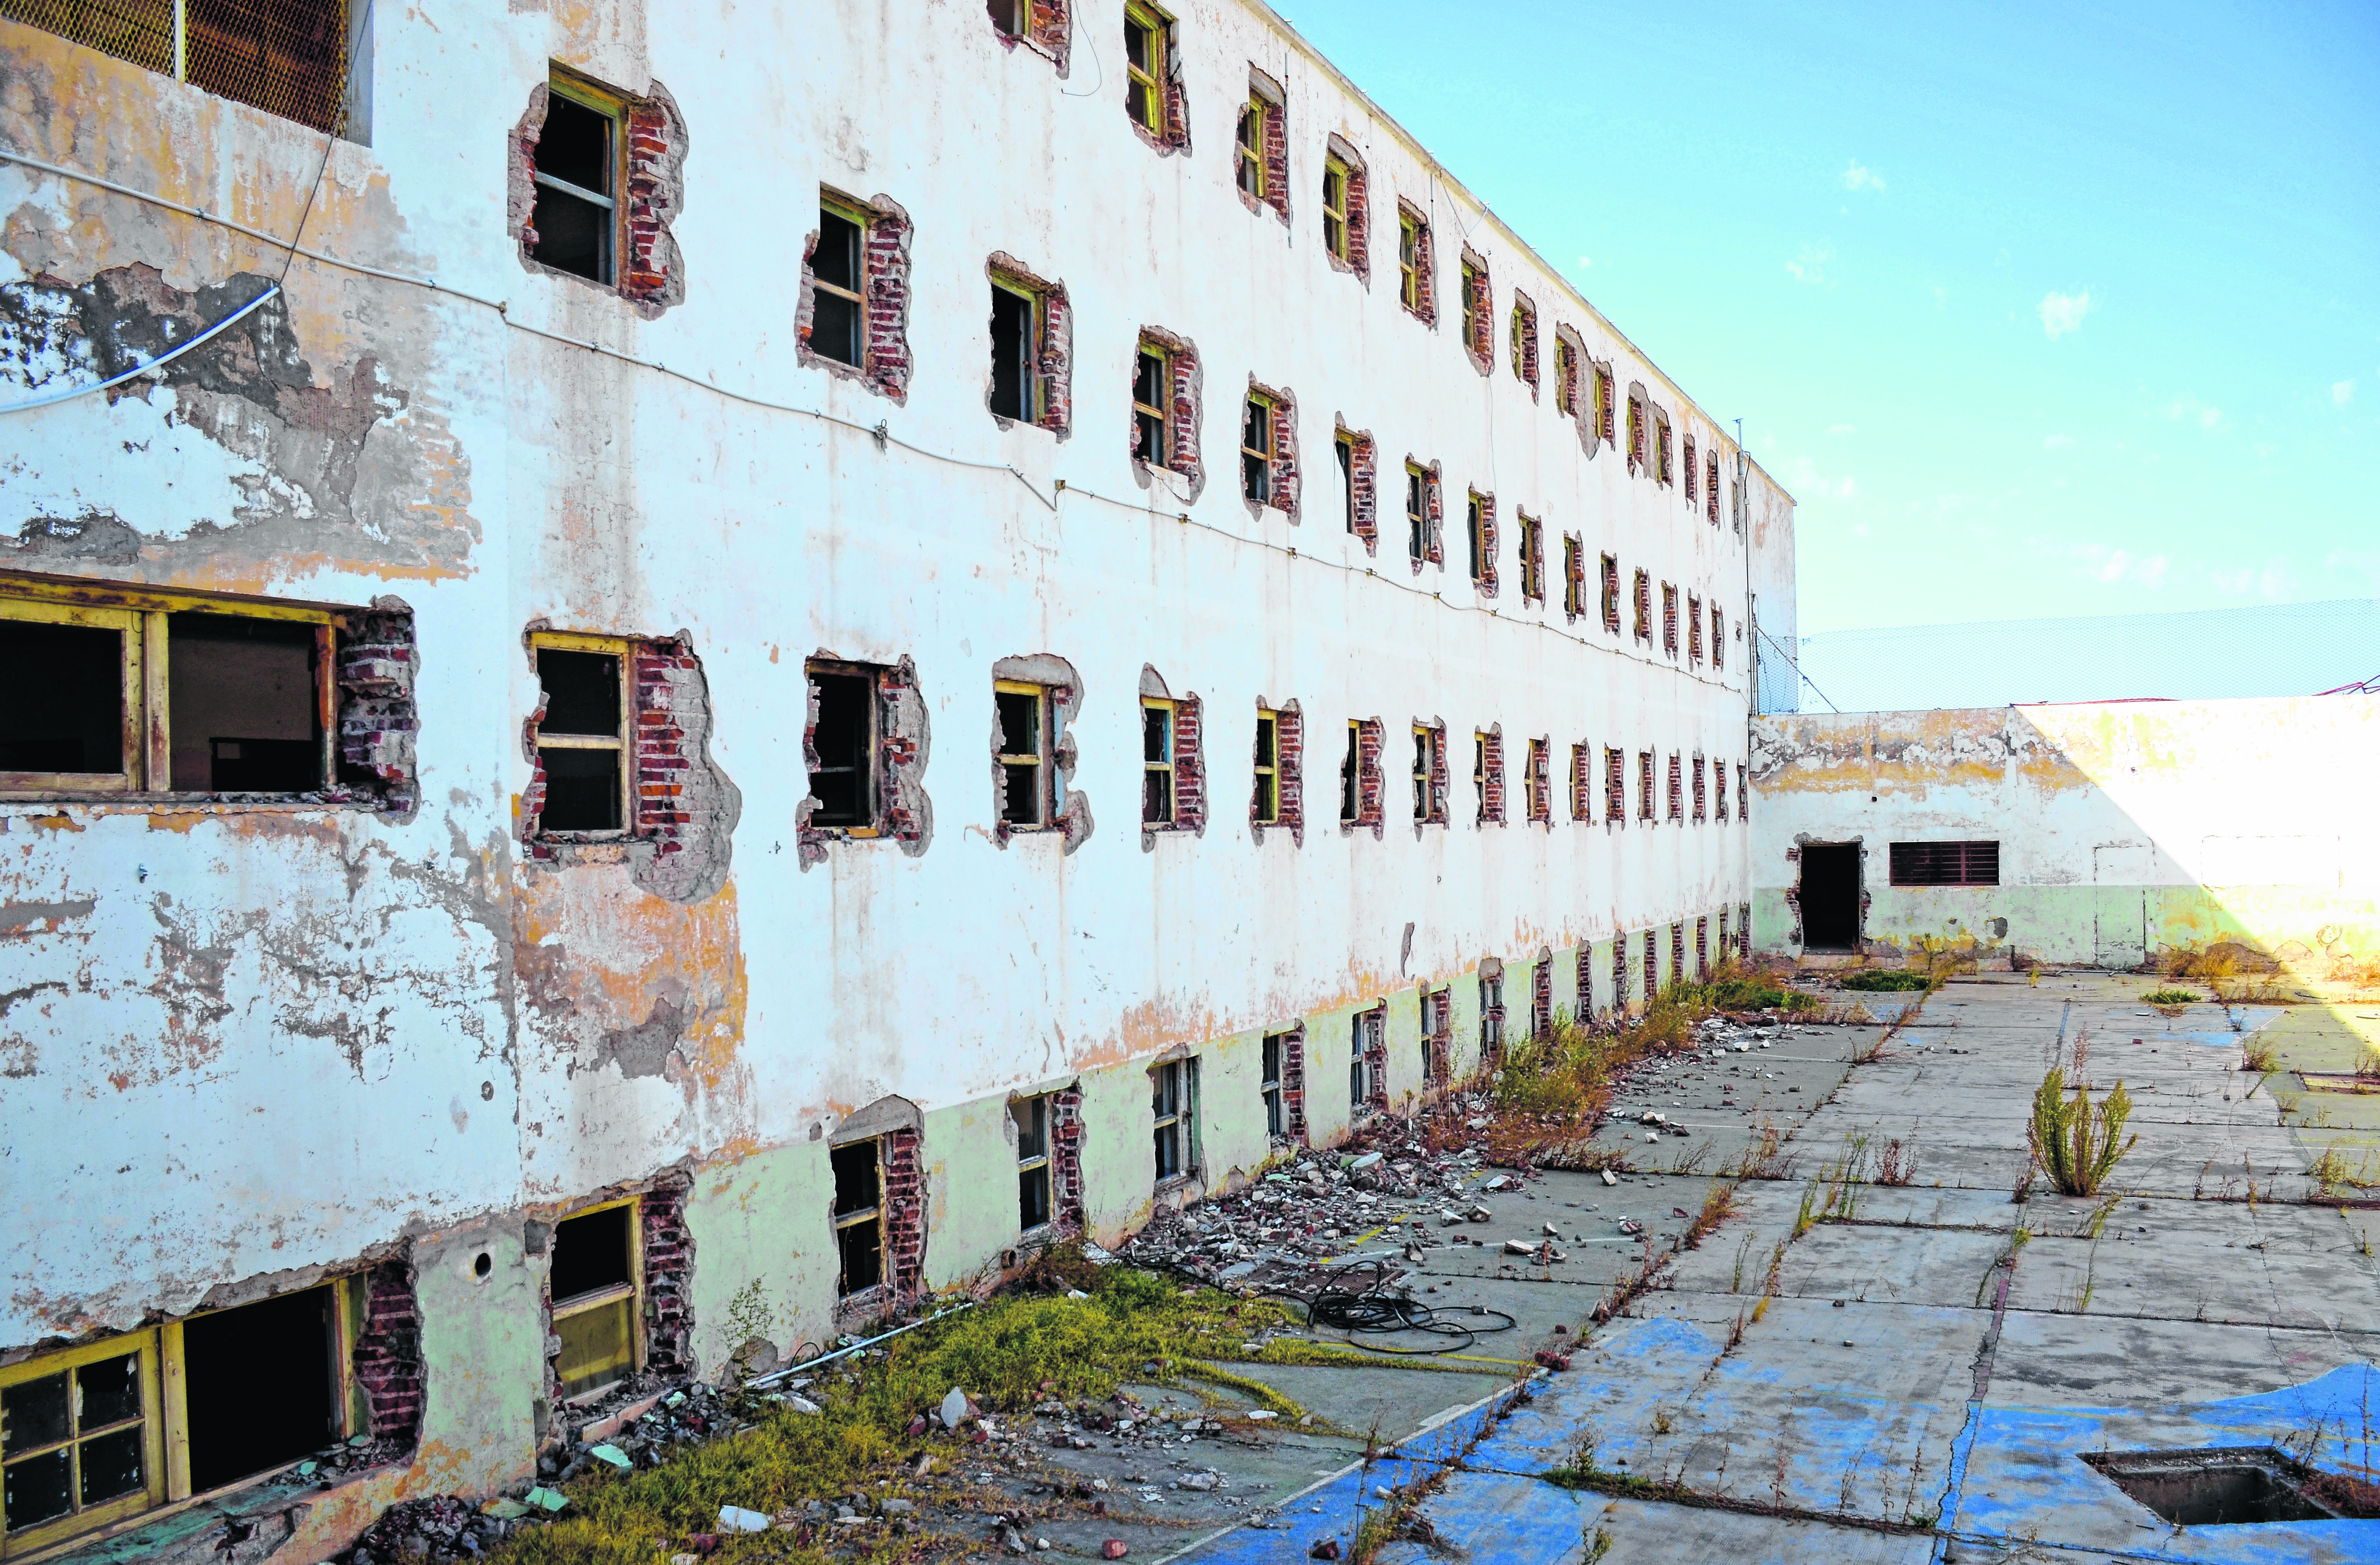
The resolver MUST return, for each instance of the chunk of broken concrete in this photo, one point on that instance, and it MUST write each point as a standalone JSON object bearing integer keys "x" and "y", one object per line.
{"x": 953, "y": 1408}
{"x": 545, "y": 1498}
{"x": 735, "y": 1518}
{"x": 1610, "y": 1178}
{"x": 611, "y": 1454}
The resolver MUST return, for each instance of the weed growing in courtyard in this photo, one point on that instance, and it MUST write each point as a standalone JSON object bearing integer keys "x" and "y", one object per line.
{"x": 1885, "y": 980}
{"x": 2076, "y": 1144}
{"x": 2171, "y": 1001}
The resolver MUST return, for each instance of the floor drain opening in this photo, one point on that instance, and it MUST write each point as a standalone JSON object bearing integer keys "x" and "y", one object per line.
{"x": 2216, "y": 1486}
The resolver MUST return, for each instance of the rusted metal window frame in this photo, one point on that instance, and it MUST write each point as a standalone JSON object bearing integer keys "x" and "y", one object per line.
{"x": 142, "y": 616}
{"x": 623, "y": 648}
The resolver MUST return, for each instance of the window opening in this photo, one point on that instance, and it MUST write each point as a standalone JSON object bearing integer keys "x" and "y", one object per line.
{"x": 844, "y": 781}
{"x": 1652, "y": 965}
{"x": 576, "y": 214}
{"x": 1345, "y": 445}
{"x": 1478, "y": 528}
{"x": 1417, "y": 513}
{"x": 1269, "y": 1085}
{"x": 1334, "y": 207}
{"x": 1677, "y": 788}
{"x": 1410, "y": 238}
{"x": 1643, "y": 606}
{"x": 1145, "y": 67}
{"x": 260, "y": 1385}
{"x": 582, "y": 739}
{"x": 1710, "y": 492}
{"x": 1032, "y": 1119}
{"x": 838, "y": 309}
{"x": 1151, "y": 376}
{"x": 859, "y": 1214}
{"x": 1669, "y": 619}
{"x": 1645, "y": 785}
{"x": 1026, "y": 783}
{"x": 1265, "y": 809}
{"x": 1693, "y": 628}
{"x": 1474, "y": 310}
{"x": 593, "y": 1285}
{"x": 1615, "y": 786}
{"x": 246, "y": 714}
{"x": 1157, "y": 757}
{"x": 1251, "y": 148}
{"x": 1256, "y": 450}
{"x": 1604, "y": 396}
{"x": 1690, "y": 470}
{"x": 1169, "y": 1104}
{"x": 1012, "y": 19}
{"x": 1430, "y": 795}
{"x": 1479, "y": 772}
{"x": 1829, "y": 896}
{"x": 1533, "y": 557}
{"x": 1541, "y": 805}
{"x": 1573, "y": 578}
{"x": 1718, "y": 637}
{"x": 1611, "y": 594}
{"x": 1699, "y": 788}
{"x": 1565, "y": 377}
{"x": 1491, "y": 1015}
{"x": 1349, "y": 795}
{"x": 1015, "y": 389}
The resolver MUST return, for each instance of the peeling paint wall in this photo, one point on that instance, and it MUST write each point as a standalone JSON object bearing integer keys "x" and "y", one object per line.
{"x": 2126, "y": 830}
{"x": 313, "y": 1038}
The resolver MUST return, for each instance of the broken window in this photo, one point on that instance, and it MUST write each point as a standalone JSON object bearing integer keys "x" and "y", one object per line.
{"x": 1428, "y": 775}
{"x": 1344, "y": 444}
{"x": 1719, "y": 787}
{"x": 1010, "y": 18}
{"x": 1151, "y": 405}
{"x": 838, "y": 285}
{"x": 1710, "y": 500}
{"x": 1477, "y": 528}
{"x": 1437, "y": 1036}
{"x": 1268, "y": 1083}
{"x": 845, "y": 742}
{"x": 1367, "y": 1085}
{"x": 1669, "y": 619}
{"x": 82, "y": 1445}
{"x": 1693, "y": 628}
{"x": 1525, "y": 341}
{"x": 1645, "y": 785}
{"x": 1945, "y": 864}
{"x": 594, "y": 1287}
{"x": 858, "y": 1169}
{"x": 1264, "y": 807}
{"x": 1611, "y": 594}
{"x": 1663, "y": 467}
{"x": 1016, "y": 313}
{"x": 1677, "y": 788}
{"x": 1698, "y": 789}
{"x": 1173, "y": 1106}
{"x": 1150, "y": 88}
{"x": 1414, "y": 264}
{"x": 185, "y": 693}
{"x": 577, "y": 214}
{"x": 1742, "y": 799}
{"x": 1256, "y": 450}
{"x": 1492, "y": 1014}
{"x": 1031, "y": 1117}
{"x": 1635, "y": 429}
{"x": 1619, "y": 972}
{"x": 1251, "y": 139}
{"x": 1652, "y": 963}
{"x": 1334, "y": 207}
{"x": 1643, "y": 606}
{"x": 1532, "y": 558}
{"x": 1702, "y": 950}
{"x": 1350, "y": 772}
{"x": 1565, "y": 377}
{"x": 1541, "y": 799}
{"x": 1604, "y": 396}
{"x": 1478, "y": 334}
{"x": 582, "y": 735}
{"x": 1416, "y": 513}
{"x": 1573, "y": 578}
{"x": 1157, "y": 738}
{"x": 1615, "y": 787}
{"x": 1718, "y": 639}
{"x": 1027, "y": 769}
{"x": 1690, "y": 469}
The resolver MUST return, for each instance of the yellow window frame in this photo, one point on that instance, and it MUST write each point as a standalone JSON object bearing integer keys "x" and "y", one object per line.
{"x": 1037, "y": 308}
{"x": 614, "y": 108}
{"x": 1409, "y": 243}
{"x": 1533, "y": 556}
{"x": 859, "y": 216}
{"x": 1164, "y": 765}
{"x": 630, "y": 1358}
{"x": 1565, "y": 377}
{"x": 1425, "y": 773}
{"x": 1043, "y": 803}
{"x": 623, "y": 648}
{"x": 1153, "y": 25}
{"x": 1474, "y": 328}
{"x": 142, "y": 617}
{"x": 1249, "y": 159}
{"x": 1335, "y": 175}
{"x": 1164, "y": 415}
{"x": 1268, "y": 771}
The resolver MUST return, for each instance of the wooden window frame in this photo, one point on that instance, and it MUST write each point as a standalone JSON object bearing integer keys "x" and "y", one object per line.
{"x": 1565, "y": 377}
{"x": 1040, "y": 1163}
{"x": 1533, "y": 556}
{"x": 1268, "y": 772}
{"x": 1412, "y": 234}
{"x": 1334, "y": 219}
{"x": 841, "y": 1220}
{"x": 1606, "y": 393}
{"x": 623, "y": 648}
{"x": 165, "y": 1421}
{"x": 1163, "y": 765}
{"x": 1043, "y": 756}
{"x": 1574, "y": 578}
{"x": 632, "y": 1292}
{"x": 862, "y": 218}
{"x": 1248, "y": 137}
{"x": 142, "y": 617}
{"x": 1162, "y": 415}
{"x": 1257, "y": 461}
{"x": 1476, "y": 330}
{"x": 1035, "y": 389}
{"x": 614, "y": 109}
{"x": 1152, "y": 81}
{"x": 1173, "y": 1105}
{"x": 1429, "y": 804}
{"x": 1417, "y": 512}
{"x": 1541, "y": 798}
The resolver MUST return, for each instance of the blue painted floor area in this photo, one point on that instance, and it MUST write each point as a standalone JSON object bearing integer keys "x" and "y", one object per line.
{"x": 1609, "y": 1402}
{"x": 2025, "y": 1478}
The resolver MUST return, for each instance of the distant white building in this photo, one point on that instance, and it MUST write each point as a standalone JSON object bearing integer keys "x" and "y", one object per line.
{"x": 786, "y": 655}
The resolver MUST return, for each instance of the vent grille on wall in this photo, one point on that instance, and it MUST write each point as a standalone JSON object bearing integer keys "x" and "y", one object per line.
{"x": 1945, "y": 864}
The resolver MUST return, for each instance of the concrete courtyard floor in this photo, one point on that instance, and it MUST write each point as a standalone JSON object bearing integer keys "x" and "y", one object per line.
{"x": 1912, "y": 1380}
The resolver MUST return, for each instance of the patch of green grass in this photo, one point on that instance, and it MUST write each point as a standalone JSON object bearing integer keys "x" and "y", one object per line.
{"x": 1883, "y": 980}
{"x": 2171, "y": 997}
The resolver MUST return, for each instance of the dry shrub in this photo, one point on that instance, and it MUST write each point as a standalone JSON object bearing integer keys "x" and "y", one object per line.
{"x": 1897, "y": 1164}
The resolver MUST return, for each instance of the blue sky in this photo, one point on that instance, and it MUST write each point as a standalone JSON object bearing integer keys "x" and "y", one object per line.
{"x": 2042, "y": 311}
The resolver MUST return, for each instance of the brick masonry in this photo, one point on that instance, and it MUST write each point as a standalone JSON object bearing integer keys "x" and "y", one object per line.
{"x": 1437, "y": 776}
{"x": 1581, "y": 781}
{"x": 652, "y": 270}
{"x": 1185, "y": 397}
{"x": 1066, "y": 1159}
{"x": 1643, "y": 606}
{"x": 1478, "y": 312}
{"x": 1364, "y": 486}
{"x": 885, "y": 360}
{"x": 1289, "y": 774}
{"x": 1525, "y": 341}
{"x": 1541, "y": 996}
{"x": 669, "y": 1279}
{"x": 1491, "y": 788}
{"x": 903, "y": 811}
{"x": 379, "y": 723}
{"x": 1285, "y": 476}
{"x": 1359, "y": 211}
{"x": 1584, "y": 981}
{"x": 1375, "y": 1058}
{"x": 1693, "y": 628}
{"x": 1049, "y": 30}
{"x": 1053, "y": 358}
{"x": 1189, "y": 765}
{"x": 1370, "y": 735}
{"x": 904, "y": 1216}
{"x": 1619, "y": 972}
{"x": 1541, "y": 781}
{"x": 1603, "y": 401}
{"x": 1488, "y": 579}
{"x": 1677, "y": 794}
{"x": 1693, "y": 471}
{"x": 1702, "y": 948}
{"x": 1275, "y": 149}
{"x": 1433, "y": 506}
{"x": 1292, "y": 1083}
{"x": 1652, "y": 963}
{"x": 387, "y": 1360}
{"x": 1615, "y": 787}
{"x": 1425, "y": 264}
{"x": 1710, "y": 487}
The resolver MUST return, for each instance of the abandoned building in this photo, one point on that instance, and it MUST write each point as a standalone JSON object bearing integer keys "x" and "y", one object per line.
{"x": 605, "y": 747}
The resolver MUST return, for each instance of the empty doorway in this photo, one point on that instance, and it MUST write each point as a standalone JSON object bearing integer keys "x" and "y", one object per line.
{"x": 1831, "y": 896}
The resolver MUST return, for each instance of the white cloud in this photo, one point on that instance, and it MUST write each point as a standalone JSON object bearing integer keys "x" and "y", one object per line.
{"x": 2341, "y": 393}
{"x": 2057, "y": 443}
{"x": 1856, "y": 178}
{"x": 1812, "y": 266}
{"x": 1584, "y": 261}
{"x": 2062, "y": 313}
{"x": 1843, "y": 428}
{"x": 1802, "y": 476}
{"x": 2188, "y": 409}
{"x": 2108, "y": 565}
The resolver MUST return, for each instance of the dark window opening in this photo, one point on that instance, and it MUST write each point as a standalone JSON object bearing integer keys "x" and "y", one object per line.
{"x": 1346, "y": 449}
{"x": 262, "y": 1386}
{"x": 591, "y": 1253}
{"x": 583, "y": 780}
{"x": 245, "y": 714}
{"x": 1024, "y": 788}
{"x": 858, "y": 1216}
{"x": 576, "y": 209}
{"x": 1255, "y": 452}
{"x": 1265, "y": 806}
{"x": 1945, "y": 864}
{"x": 1478, "y": 539}
{"x": 836, "y": 308}
{"x": 1269, "y": 1084}
{"x": 1032, "y": 1119}
{"x": 1148, "y": 404}
{"x": 71, "y": 719}
{"x": 1157, "y": 757}
{"x": 1012, "y": 355}
{"x": 91, "y": 1421}
{"x": 1416, "y": 515}
{"x": 1170, "y": 1104}
{"x": 1349, "y": 794}
{"x": 1010, "y": 18}
{"x": 1830, "y": 897}
{"x": 844, "y": 780}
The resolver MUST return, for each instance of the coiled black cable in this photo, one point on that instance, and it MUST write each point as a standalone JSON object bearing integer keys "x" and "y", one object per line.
{"x": 1372, "y": 1310}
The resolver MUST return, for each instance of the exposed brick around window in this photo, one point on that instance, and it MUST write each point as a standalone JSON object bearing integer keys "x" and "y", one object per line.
{"x": 1525, "y": 341}
{"x": 1691, "y": 470}
{"x": 1581, "y": 781}
{"x": 1541, "y": 782}
{"x": 1615, "y": 787}
{"x": 1702, "y": 949}
{"x": 1610, "y": 595}
{"x": 1176, "y": 135}
{"x": 904, "y": 811}
{"x": 378, "y": 721}
{"x": 1619, "y": 973}
{"x": 1669, "y": 619}
{"x": 1292, "y": 1083}
{"x": 1491, "y": 791}
{"x": 1371, "y": 783}
{"x": 1289, "y": 771}
{"x": 1188, "y": 393}
{"x": 1604, "y": 398}
{"x": 387, "y": 1360}
{"x": 1487, "y": 579}
{"x": 1718, "y": 638}
{"x": 1744, "y": 931}
{"x": 904, "y": 1216}
{"x": 1275, "y": 149}
{"x": 1053, "y": 355}
{"x": 1434, "y": 812}
{"x": 1645, "y": 785}
{"x": 1693, "y": 628}
{"x": 1639, "y": 432}
{"x": 1532, "y": 558}
{"x": 1424, "y": 307}
{"x": 885, "y": 356}
{"x": 1364, "y": 487}
{"x": 1643, "y": 606}
{"x": 1478, "y": 312}
{"x": 650, "y": 270}
{"x": 1066, "y": 1159}
{"x": 1719, "y": 787}
{"x": 1584, "y": 980}
{"x": 668, "y": 1253}
{"x": 1541, "y": 996}
{"x": 684, "y": 806}
{"x": 1743, "y": 796}
{"x": 1677, "y": 795}
{"x": 1189, "y": 765}
{"x": 1678, "y": 952}
{"x": 1664, "y": 456}
{"x": 1652, "y": 963}
{"x": 1358, "y": 259}
{"x": 1049, "y": 30}
{"x": 1710, "y": 487}
{"x": 1437, "y": 1037}
{"x": 1573, "y": 578}
{"x": 1286, "y": 475}
{"x": 1433, "y": 516}
{"x": 1699, "y": 796}
{"x": 1375, "y": 1058}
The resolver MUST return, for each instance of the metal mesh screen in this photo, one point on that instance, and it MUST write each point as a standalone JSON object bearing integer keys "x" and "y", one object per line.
{"x": 288, "y": 58}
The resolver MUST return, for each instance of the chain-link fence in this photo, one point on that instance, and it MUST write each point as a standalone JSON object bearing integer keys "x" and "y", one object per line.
{"x": 288, "y": 58}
